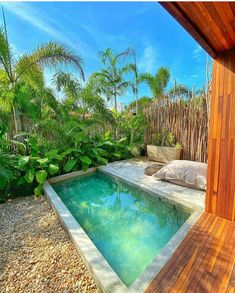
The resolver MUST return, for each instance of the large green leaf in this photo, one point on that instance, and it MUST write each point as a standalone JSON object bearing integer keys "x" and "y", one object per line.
{"x": 51, "y": 155}
{"x": 53, "y": 169}
{"x": 68, "y": 151}
{"x": 70, "y": 165}
{"x": 107, "y": 142}
{"x": 59, "y": 157}
{"x": 85, "y": 160}
{"x": 23, "y": 161}
{"x": 43, "y": 161}
{"x": 29, "y": 176}
{"x": 34, "y": 158}
{"x": 41, "y": 176}
{"x": 38, "y": 190}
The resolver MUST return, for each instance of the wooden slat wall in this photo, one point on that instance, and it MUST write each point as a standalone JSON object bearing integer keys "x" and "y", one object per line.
{"x": 211, "y": 24}
{"x": 220, "y": 198}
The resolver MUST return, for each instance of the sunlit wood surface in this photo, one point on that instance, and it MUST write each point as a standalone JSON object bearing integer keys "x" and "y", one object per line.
{"x": 212, "y": 24}
{"x": 204, "y": 261}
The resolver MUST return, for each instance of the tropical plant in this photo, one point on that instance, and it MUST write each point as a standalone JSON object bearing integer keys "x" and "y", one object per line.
{"x": 7, "y": 173}
{"x": 179, "y": 91}
{"x": 84, "y": 100}
{"x": 111, "y": 77}
{"x": 27, "y": 69}
{"x": 134, "y": 85}
{"x": 165, "y": 138}
{"x": 35, "y": 163}
{"x": 142, "y": 103}
{"x": 158, "y": 82}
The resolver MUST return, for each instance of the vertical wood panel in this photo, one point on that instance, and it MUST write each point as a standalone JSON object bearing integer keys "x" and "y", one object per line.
{"x": 221, "y": 157}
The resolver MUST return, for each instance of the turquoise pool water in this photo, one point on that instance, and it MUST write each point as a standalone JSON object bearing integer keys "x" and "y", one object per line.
{"x": 128, "y": 226}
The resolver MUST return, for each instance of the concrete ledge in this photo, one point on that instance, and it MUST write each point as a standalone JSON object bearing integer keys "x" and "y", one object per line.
{"x": 71, "y": 175}
{"x": 104, "y": 276}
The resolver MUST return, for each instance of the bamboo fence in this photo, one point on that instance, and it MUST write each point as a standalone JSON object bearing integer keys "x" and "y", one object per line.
{"x": 187, "y": 120}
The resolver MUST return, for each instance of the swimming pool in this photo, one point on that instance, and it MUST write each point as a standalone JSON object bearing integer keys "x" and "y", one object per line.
{"x": 127, "y": 225}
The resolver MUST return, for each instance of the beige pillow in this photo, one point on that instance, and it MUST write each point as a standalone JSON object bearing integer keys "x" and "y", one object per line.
{"x": 150, "y": 170}
{"x": 186, "y": 173}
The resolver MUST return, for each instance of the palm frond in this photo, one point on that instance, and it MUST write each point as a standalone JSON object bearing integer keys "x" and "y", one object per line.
{"x": 52, "y": 55}
{"x": 128, "y": 68}
{"x": 5, "y": 53}
{"x": 145, "y": 77}
{"x": 34, "y": 77}
{"x": 67, "y": 82}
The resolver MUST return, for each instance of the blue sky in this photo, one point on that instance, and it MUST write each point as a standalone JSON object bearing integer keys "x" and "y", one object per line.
{"x": 89, "y": 27}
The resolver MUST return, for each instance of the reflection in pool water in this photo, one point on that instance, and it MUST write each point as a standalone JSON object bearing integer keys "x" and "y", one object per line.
{"x": 127, "y": 225}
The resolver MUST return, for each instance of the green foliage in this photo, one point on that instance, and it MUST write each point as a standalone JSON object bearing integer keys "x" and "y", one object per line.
{"x": 110, "y": 79}
{"x": 165, "y": 138}
{"x": 8, "y": 173}
{"x": 179, "y": 91}
{"x": 142, "y": 103}
{"x": 40, "y": 163}
{"x": 158, "y": 82}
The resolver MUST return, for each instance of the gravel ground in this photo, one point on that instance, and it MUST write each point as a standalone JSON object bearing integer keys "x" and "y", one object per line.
{"x": 36, "y": 254}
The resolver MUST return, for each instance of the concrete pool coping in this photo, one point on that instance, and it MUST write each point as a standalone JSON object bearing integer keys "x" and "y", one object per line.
{"x": 105, "y": 277}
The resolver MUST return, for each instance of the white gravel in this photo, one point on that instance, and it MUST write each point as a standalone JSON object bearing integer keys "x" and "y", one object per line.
{"x": 36, "y": 254}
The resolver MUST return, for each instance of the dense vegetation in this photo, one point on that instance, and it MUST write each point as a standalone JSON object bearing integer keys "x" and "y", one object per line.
{"x": 47, "y": 131}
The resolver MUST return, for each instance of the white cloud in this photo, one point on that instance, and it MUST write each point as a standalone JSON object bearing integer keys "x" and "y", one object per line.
{"x": 27, "y": 13}
{"x": 148, "y": 61}
{"x": 23, "y": 11}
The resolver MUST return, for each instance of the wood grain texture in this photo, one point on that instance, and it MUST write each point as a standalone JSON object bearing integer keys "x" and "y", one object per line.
{"x": 204, "y": 261}
{"x": 211, "y": 24}
{"x": 220, "y": 198}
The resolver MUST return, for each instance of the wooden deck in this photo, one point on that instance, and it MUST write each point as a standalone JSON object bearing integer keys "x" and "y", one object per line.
{"x": 204, "y": 261}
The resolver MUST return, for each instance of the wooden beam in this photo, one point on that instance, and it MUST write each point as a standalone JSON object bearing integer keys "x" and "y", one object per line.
{"x": 174, "y": 9}
{"x": 220, "y": 198}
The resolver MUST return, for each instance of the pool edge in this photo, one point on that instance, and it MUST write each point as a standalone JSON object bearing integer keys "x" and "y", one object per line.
{"x": 104, "y": 276}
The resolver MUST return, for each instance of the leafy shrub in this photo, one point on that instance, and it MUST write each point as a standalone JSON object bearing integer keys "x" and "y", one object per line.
{"x": 34, "y": 163}
{"x": 8, "y": 173}
{"x": 165, "y": 138}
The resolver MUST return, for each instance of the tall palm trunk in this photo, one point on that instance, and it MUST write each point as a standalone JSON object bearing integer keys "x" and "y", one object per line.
{"x": 17, "y": 120}
{"x": 115, "y": 102}
{"x": 115, "y": 105}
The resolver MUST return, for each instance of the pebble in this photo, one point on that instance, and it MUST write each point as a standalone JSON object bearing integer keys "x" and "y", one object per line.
{"x": 36, "y": 252}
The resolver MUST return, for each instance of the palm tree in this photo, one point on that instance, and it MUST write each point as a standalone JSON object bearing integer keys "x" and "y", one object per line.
{"x": 158, "y": 82}
{"x": 178, "y": 91}
{"x": 85, "y": 99}
{"x": 71, "y": 87}
{"x": 28, "y": 68}
{"x": 111, "y": 77}
{"x": 133, "y": 67}
{"x": 142, "y": 103}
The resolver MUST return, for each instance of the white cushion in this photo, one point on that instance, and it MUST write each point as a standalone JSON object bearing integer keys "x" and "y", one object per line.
{"x": 186, "y": 173}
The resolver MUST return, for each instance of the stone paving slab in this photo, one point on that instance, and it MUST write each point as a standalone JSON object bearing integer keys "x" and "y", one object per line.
{"x": 132, "y": 170}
